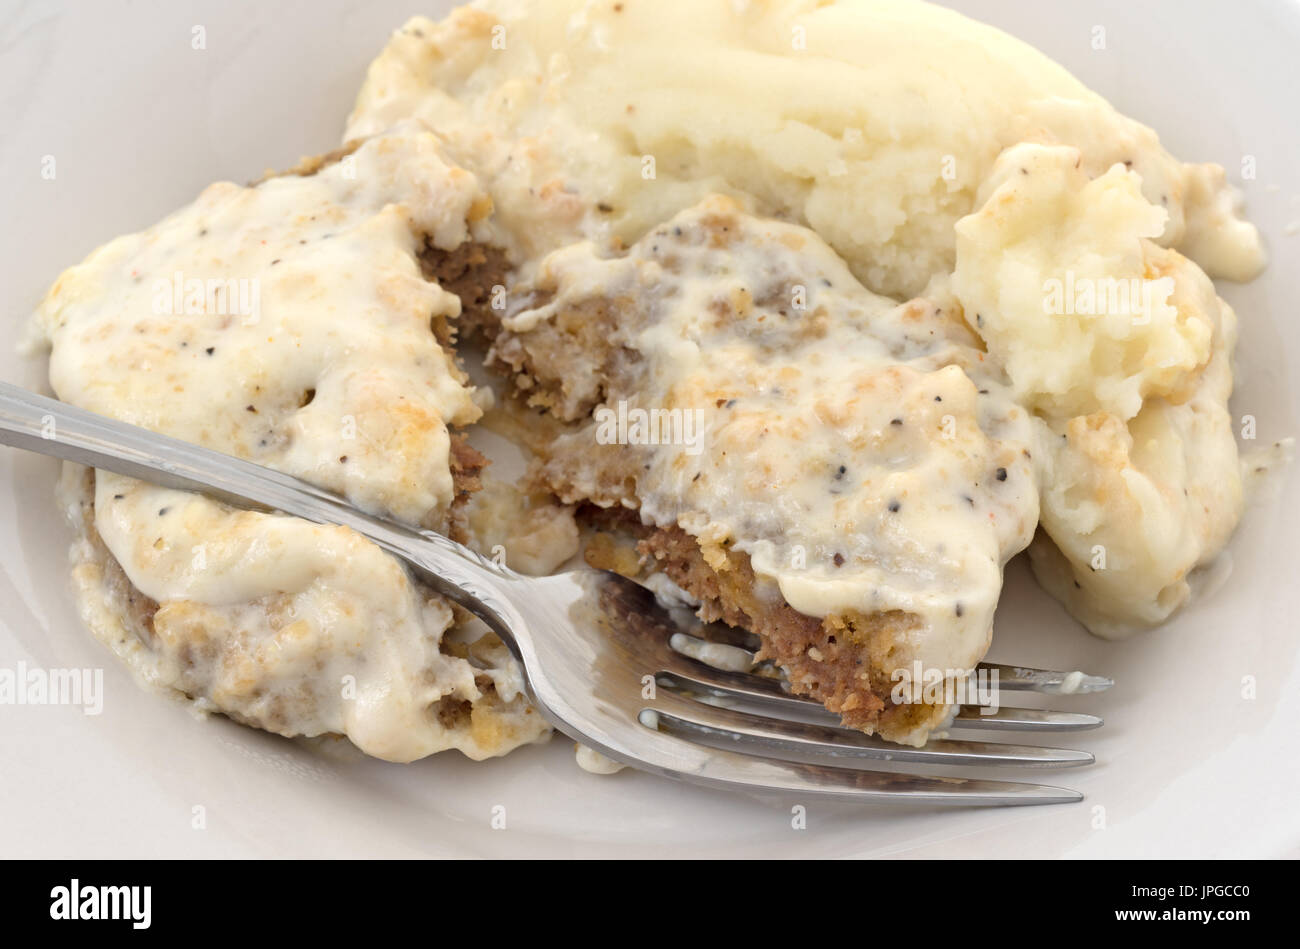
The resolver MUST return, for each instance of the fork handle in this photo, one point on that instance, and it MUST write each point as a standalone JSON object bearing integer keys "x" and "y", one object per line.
{"x": 50, "y": 427}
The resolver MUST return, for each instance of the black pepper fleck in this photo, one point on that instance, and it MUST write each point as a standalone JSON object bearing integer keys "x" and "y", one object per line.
{"x": 1002, "y": 474}
{"x": 894, "y": 507}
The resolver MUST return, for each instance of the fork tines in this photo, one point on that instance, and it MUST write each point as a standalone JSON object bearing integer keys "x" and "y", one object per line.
{"x": 722, "y": 702}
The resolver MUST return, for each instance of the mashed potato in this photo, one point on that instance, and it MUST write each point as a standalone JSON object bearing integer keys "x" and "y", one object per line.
{"x": 1133, "y": 505}
{"x": 874, "y": 123}
{"x": 1059, "y": 274}
{"x": 1123, "y": 350}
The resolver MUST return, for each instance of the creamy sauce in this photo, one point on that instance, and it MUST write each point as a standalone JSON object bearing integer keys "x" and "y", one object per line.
{"x": 718, "y": 655}
{"x": 334, "y": 376}
{"x": 594, "y": 762}
{"x": 858, "y": 450}
{"x": 532, "y": 535}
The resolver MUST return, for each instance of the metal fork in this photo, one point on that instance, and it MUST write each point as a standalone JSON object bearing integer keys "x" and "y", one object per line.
{"x": 597, "y": 651}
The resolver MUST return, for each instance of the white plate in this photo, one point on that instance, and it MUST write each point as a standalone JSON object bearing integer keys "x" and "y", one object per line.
{"x": 138, "y": 122}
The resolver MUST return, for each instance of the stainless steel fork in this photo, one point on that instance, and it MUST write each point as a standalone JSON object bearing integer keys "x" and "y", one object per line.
{"x": 604, "y": 663}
